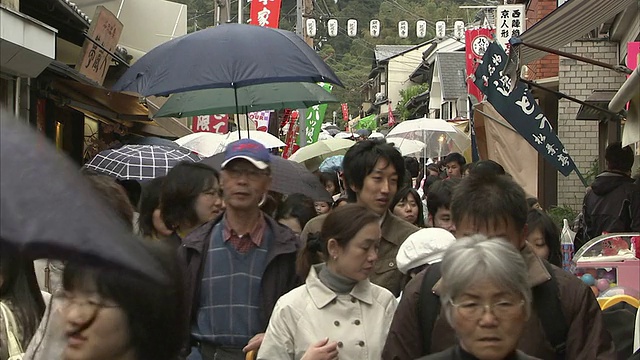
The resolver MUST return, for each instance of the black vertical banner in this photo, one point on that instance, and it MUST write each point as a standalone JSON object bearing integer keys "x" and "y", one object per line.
{"x": 520, "y": 109}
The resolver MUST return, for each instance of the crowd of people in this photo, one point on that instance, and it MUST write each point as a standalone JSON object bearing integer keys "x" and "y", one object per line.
{"x": 445, "y": 260}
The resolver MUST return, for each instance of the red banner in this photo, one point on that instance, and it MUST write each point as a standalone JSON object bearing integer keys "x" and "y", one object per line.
{"x": 392, "y": 119}
{"x": 292, "y": 135}
{"x": 477, "y": 42}
{"x": 265, "y": 13}
{"x": 345, "y": 111}
{"x": 210, "y": 123}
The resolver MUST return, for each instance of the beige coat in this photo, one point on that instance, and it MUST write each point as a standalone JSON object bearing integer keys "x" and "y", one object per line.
{"x": 359, "y": 321}
{"x": 394, "y": 232}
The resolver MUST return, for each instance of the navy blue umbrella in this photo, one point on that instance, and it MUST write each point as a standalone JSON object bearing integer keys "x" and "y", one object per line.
{"x": 225, "y": 56}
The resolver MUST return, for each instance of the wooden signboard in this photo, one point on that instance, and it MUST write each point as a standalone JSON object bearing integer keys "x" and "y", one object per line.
{"x": 105, "y": 30}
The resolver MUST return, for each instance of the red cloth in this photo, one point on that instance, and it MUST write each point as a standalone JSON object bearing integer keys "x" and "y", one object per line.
{"x": 244, "y": 243}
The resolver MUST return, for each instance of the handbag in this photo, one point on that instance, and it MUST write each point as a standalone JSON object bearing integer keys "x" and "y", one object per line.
{"x": 15, "y": 349}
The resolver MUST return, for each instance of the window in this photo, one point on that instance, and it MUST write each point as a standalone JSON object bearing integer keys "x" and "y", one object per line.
{"x": 446, "y": 110}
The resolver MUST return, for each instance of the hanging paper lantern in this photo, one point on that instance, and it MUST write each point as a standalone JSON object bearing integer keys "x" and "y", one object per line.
{"x": 421, "y": 29}
{"x": 374, "y": 28}
{"x": 458, "y": 29}
{"x": 332, "y": 27}
{"x": 403, "y": 29}
{"x": 311, "y": 27}
{"x": 441, "y": 29}
{"x": 352, "y": 27}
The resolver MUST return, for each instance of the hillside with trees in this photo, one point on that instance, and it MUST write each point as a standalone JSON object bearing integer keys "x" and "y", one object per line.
{"x": 352, "y": 58}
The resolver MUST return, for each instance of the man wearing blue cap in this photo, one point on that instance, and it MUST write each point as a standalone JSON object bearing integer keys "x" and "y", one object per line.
{"x": 238, "y": 265}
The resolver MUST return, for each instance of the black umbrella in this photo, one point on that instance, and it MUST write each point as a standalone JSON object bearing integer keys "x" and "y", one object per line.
{"x": 47, "y": 210}
{"x": 288, "y": 177}
{"x": 225, "y": 56}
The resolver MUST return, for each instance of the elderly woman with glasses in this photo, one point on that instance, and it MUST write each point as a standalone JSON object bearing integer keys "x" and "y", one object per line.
{"x": 486, "y": 299}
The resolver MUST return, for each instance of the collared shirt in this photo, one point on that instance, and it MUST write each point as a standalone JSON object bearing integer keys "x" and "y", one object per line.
{"x": 244, "y": 243}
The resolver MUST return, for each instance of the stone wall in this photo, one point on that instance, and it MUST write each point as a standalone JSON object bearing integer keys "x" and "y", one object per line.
{"x": 579, "y": 79}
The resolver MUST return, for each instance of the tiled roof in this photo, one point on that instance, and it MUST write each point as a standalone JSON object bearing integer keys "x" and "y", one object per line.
{"x": 77, "y": 10}
{"x": 452, "y": 74}
{"x": 384, "y": 52}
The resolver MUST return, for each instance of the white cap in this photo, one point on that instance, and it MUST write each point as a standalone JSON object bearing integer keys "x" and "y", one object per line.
{"x": 425, "y": 246}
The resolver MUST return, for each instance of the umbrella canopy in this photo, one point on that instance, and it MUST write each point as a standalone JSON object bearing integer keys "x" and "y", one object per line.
{"x": 267, "y": 140}
{"x": 406, "y": 146}
{"x": 148, "y": 140}
{"x": 322, "y": 149}
{"x": 273, "y": 96}
{"x": 204, "y": 143}
{"x": 345, "y": 135}
{"x": 139, "y": 162}
{"x": 225, "y": 56}
{"x": 288, "y": 177}
{"x": 376, "y": 135}
{"x": 50, "y": 211}
{"x": 333, "y": 163}
{"x": 440, "y": 137}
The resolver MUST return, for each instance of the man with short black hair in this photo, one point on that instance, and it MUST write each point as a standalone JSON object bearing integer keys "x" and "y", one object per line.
{"x": 438, "y": 204}
{"x": 567, "y": 321}
{"x": 454, "y": 163}
{"x": 613, "y": 203}
{"x": 373, "y": 172}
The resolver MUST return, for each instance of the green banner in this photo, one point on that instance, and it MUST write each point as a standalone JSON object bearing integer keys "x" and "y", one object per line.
{"x": 315, "y": 117}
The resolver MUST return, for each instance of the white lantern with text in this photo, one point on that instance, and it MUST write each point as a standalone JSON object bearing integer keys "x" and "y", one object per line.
{"x": 374, "y": 28}
{"x": 441, "y": 29}
{"x": 311, "y": 27}
{"x": 332, "y": 27}
{"x": 352, "y": 27}
{"x": 403, "y": 29}
{"x": 421, "y": 29}
{"x": 458, "y": 29}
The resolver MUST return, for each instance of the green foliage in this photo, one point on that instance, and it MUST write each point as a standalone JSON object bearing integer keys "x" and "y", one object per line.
{"x": 594, "y": 170}
{"x": 558, "y": 213}
{"x": 405, "y": 96}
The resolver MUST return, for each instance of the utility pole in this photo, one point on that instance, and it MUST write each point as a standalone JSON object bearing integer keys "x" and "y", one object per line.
{"x": 221, "y": 13}
{"x": 302, "y": 113}
{"x": 240, "y": 11}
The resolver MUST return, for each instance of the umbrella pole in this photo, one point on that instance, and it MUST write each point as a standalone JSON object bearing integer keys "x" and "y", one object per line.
{"x": 246, "y": 115}
{"x": 235, "y": 95}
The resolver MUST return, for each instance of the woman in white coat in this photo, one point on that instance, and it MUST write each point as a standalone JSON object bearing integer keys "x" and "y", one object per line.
{"x": 338, "y": 312}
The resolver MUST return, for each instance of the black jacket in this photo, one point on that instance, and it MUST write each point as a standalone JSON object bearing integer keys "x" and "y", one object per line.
{"x": 612, "y": 205}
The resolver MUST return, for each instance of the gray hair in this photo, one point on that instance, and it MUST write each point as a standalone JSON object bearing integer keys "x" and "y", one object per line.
{"x": 478, "y": 258}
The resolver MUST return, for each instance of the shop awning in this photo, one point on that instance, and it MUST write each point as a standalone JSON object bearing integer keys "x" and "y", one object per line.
{"x": 567, "y": 23}
{"x": 629, "y": 91}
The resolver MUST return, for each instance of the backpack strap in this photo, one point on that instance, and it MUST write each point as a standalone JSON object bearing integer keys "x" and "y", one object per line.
{"x": 428, "y": 305}
{"x": 546, "y": 301}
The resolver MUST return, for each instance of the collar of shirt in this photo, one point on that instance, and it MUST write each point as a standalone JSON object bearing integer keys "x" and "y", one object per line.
{"x": 255, "y": 235}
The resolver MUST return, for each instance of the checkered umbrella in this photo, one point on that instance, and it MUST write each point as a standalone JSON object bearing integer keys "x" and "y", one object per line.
{"x": 139, "y": 162}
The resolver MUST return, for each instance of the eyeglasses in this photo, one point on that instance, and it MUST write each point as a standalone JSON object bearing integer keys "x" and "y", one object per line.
{"x": 503, "y": 309}
{"x": 251, "y": 173}
{"x": 86, "y": 304}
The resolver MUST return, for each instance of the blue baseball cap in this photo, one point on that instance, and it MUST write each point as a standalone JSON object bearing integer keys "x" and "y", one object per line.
{"x": 249, "y": 150}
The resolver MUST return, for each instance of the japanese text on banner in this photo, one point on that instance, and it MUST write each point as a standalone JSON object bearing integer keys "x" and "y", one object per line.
{"x": 315, "y": 117}
{"x": 520, "y": 109}
{"x": 265, "y": 13}
{"x": 210, "y": 123}
{"x": 510, "y": 22}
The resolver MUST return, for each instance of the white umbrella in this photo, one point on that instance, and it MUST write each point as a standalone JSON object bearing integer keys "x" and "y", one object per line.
{"x": 269, "y": 141}
{"x": 345, "y": 135}
{"x": 322, "y": 149}
{"x": 406, "y": 146}
{"x": 204, "y": 143}
{"x": 376, "y": 135}
{"x": 440, "y": 137}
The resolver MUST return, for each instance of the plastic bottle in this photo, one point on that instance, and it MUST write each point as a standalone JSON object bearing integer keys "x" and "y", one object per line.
{"x": 566, "y": 246}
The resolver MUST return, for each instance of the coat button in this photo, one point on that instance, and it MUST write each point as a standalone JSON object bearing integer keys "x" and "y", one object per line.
{"x": 334, "y": 301}
{"x": 357, "y": 322}
{"x": 336, "y": 323}
{"x": 361, "y": 343}
{"x": 339, "y": 344}
{"x": 353, "y": 300}
{"x": 391, "y": 264}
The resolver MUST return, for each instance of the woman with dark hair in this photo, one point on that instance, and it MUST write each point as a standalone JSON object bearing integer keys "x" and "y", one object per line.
{"x": 20, "y": 299}
{"x": 109, "y": 313}
{"x": 295, "y": 211}
{"x": 338, "y": 308}
{"x": 544, "y": 236}
{"x": 150, "y": 221}
{"x": 407, "y": 205}
{"x": 191, "y": 196}
{"x": 330, "y": 182}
